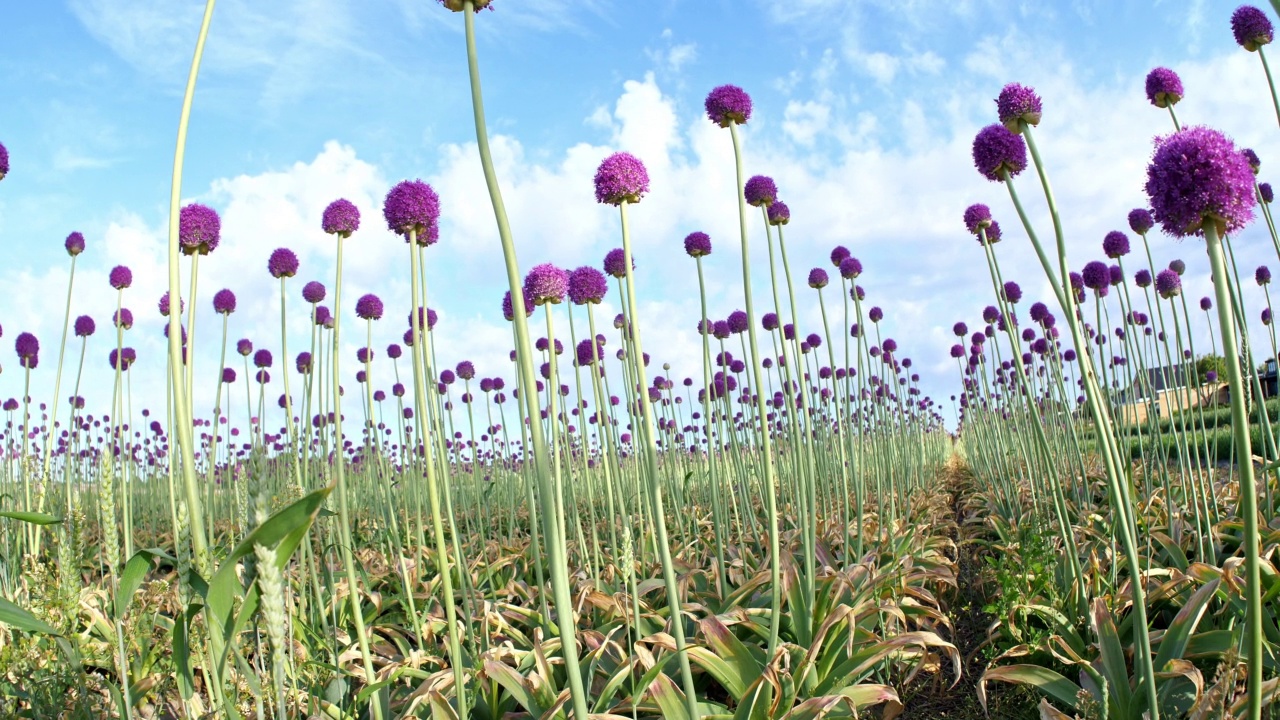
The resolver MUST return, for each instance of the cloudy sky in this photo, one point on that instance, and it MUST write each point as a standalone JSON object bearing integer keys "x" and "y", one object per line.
{"x": 864, "y": 113}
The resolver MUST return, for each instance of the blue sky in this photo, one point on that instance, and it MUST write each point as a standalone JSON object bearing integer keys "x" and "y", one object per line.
{"x": 864, "y": 113}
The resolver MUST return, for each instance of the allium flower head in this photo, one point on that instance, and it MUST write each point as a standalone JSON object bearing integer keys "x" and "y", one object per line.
{"x": 587, "y": 285}
{"x": 283, "y": 263}
{"x": 447, "y": 377}
{"x": 228, "y": 375}
{"x": 199, "y": 229}
{"x": 697, "y": 244}
{"x": 850, "y": 268}
{"x": 721, "y": 329}
{"x": 1115, "y": 244}
{"x": 364, "y": 355}
{"x": 466, "y": 370}
{"x": 1142, "y": 278}
{"x": 303, "y": 362}
{"x": 340, "y": 218}
{"x": 818, "y": 278}
{"x": 27, "y": 347}
{"x": 1262, "y": 275}
{"x": 1016, "y": 104}
{"x": 163, "y": 304}
{"x": 244, "y": 347}
{"x": 120, "y": 277}
{"x": 224, "y": 302}
{"x": 313, "y": 292}
{"x": 990, "y": 314}
{"x": 508, "y": 310}
{"x": 323, "y": 316}
{"x": 546, "y": 283}
{"x": 262, "y": 358}
{"x": 75, "y": 242}
{"x": 84, "y": 326}
{"x": 728, "y": 104}
{"x": 621, "y": 178}
{"x": 976, "y": 217}
{"x": 1168, "y": 284}
{"x": 1255, "y": 163}
{"x": 1178, "y": 266}
{"x": 769, "y": 321}
{"x": 1096, "y": 275}
{"x": 960, "y": 329}
{"x": 1117, "y": 275}
{"x": 4, "y": 161}
{"x": 413, "y": 206}
{"x": 1251, "y": 27}
{"x": 1012, "y": 293}
{"x": 588, "y": 353}
{"x": 124, "y": 359}
{"x": 838, "y": 255}
{"x": 760, "y": 190}
{"x": 123, "y": 318}
{"x": 1264, "y": 190}
{"x": 615, "y": 263}
{"x": 1206, "y": 304}
{"x": 739, "y": 322}
{"x": 995, "y": 149}
{"x": 779, "y": 213}
{"x": 1164, "y": 87}
{"x": 1141, "y": 221}
{"x": 369, "y": 307}
{"x": 1197, "y": 175}
{"x": 875, "y": 314}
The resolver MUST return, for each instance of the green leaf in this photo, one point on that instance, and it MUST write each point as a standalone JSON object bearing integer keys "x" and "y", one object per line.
{"x": 669, "y": 698}
{"x": 1047, "y": 681}
{"x": 1174, "y": 642}
{"x": 757, "y": 704}
{"x": 16, "y": 617}
{"x": 34, "y": 518}
{"x": 514, "y": 683}
{"x": 728, "y": 659}
{"x": 134, "y": 572}
{"x": 1113, "y": 663}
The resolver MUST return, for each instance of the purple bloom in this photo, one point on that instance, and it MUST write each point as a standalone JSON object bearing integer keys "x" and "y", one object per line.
{"x": 199, "y": 229}
{"x": 728, "y": 104}
{"x": 123, "y": 360}
{"x": 75, "y": 241}
{"x": 1142, "y": 278}
{"x": 466, "y": 370}
{"x": 977, "y": 216}
{"x": 28, "y": 349}
{"x": 957, "y": 351}
{"x": 621, "y": 178}
{"x": 760, "y": 190}
{"x": 1266, "y": 316}
{"x": 322, "y": 315}
{"x": 1096, "y": 275}
{"x": 283, "y": 263}
{"x": 615, "y": 263}
{"x": 224, "y": 302}
{"x": 303, "y": 362}
{"x": 720, "y": 329}
{"x": 313, "y": 292}
{"x": 1262, "y": 275}
{"x": 1206, "y": 304}
{"x": 738, "y": 322}
{"x": 393, "y": 351}
{"x": 122, "y": 318}
{"x": 262, "y": 358}
{"x": 364, "y": 355}
{"x": 163, "y": 305}
{"x": 121, "y": 277}
{"x": 228, "y": 375}
{"x": 397, "y": 390}
{"x": 508, "y": 308}
{"x": 1117, "y": 275}
{"x": 263, "y": 377}
{"x": 1255, "y": 163}
{"x": 1164, "y": 87}
{"x": 589, "y": 285}
{"x": 1178, "y": 266}
{"x": 1211, "y": 376}
{"x": 839, "y": 254}
{"x": 818, "y": 278}
{"x": 997, "y": 151}
{"x": 779, "y": 213}
{"x": 1251, "y": 27}
{"x": 379, "y": 396}
{"x": 546, "y": 283}
{"x": 1197, "y": 175}
{"x": 369, "y": 307}
{"x": 1168, "y": 284}
{"x": 850, "y": 268}
{"x": 990, "y": 314}
{"x": 447, "y": 377}
{"x": 244, "y": 347}
{"x": 84, "y": 326}
{"x": 340, "y": 218}
{"x": 1017, "y": 104}
{"x": 588, "y": 353}
{"x": 960, "y": 329}
{"x": 697, "y": 244}
{"x": 875, "y": 315}
{"x": 1115, "y": 244}
{"x": 4, "y": 157}
{"x": 1012, "y": 293}
{"x": 769, "y": 321}
{"x": 1141, "y": 221}
{"x": 412, "y": 206}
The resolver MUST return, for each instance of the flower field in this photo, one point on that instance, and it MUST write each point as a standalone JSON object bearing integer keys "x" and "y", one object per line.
{"x": 792, "y": 528}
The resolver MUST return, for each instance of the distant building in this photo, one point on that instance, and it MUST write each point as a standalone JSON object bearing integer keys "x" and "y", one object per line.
{"x": 1169, "y": 389}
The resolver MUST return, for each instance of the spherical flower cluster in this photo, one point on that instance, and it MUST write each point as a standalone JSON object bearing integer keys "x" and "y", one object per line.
{"x": 75, "y": 244}
{"x": 1255, "y": 163}
{"x": 364, "y": 355}
{"x": 1266, "y": 193}
{"x": 224, "y": 302}
{"x": 323, "y": 317}
{"x": 587, "y": 285}
{"x": 739, "y": 322}
{"x": 615, "y": 263}
{"x": 1168, "y": 284}
{"x": 1012, "y": 293}
{"x": 976, "y": 217}
{"x": 760, "y": 190}
{"x": 1197, "y": 175}
{"x": 850, "y": 268}
{"x": 163, "y": 304}
{"x": 4, "y": 161}
{"x": 313, "y": 292}
{"x": 779, "y": 213}
{"x": 303, "y": 362}
{"x": 697, "y": 244}
{"x": 546, "y": 283}
{"x": 728, "y": 104}
{"x": 1164, "y": 87}
{"x": 283, "y": 263}
{"x": 1141, "y": 221}
{"x": 1178, "y": 266}
{"x": 997, "y": 151}
{"x": 1018, "y": 104}
{"x": 1206, "y": 304}
{"x": 199, "y": 229}
{"x": 875, "y": 314}
{"x": 838, "y": 255}
{"x": 262, "y": 358}
{"x": 818, "y": 278}
{"x": 1115, "y": 244}
{"x": 769, "y": 321}
{"x": 369, "y": 307}
{"x": 466, "y": 370}
{"x": 412, "y": 206}
{"x": 1262, "y": 275}
{"x": 621, "y": 178}
{"x": 228, "y": 375}
{"x": 84, "y": 326}
{"x": 125, "y": 358}
{"x": 244, "y": 347}
{"x": 123, "y": 318}
{"x": 1251, "y": 27}
{"x": 1096, "y": 275}
{"x": 28, "y": 349}
{"x": 120, "y": 277}
{"x": 1142, "y": 278}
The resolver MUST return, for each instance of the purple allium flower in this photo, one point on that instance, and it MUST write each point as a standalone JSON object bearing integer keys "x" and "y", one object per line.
{"x": 720, "y": 329}
{"x": 1211, "y": 376}
{"x": 1168, "y": 284}
{"x": 263, "y": 377}
{"x": 340, "y": 218}
{"x": 364, "y": 355}
{"x": 322, "y": 315}
{"x": 1206, "y": 304}
{"x": 123, "y": 318}
{"x": 760, "y": 190}
{"x": 508, "y": 310}
{"x": 850, "y": 268}
{"x": 588, "y": 353}
{"x": 621, "y": 178}
{"x": 990, "y": 314}
{"x": 1265, "y": 191}
{"x": 1096, "y": 275}
{"x": 466, "y": 370}
{"x": 313, "y": 292}
{"x": 1164, "y": 87}
{"x": 1266, "y": 316}
{"x": 4, "y": 155}
{"x": 1141, "y": 221}
{"x": 27, "y": 347}
{"x": 120, "y": 277}
{"x": 244, "y": 347}
{"x": 262, "y": 358}
{"x": 875, "y": 315}
{"x": 163, "y": 304}
{"x": 697, "y": 244}
{"x": 615, "y": 263}
{"x": 393, "y": 351}
{"x": 224, "y": 302}
{"x": 303, "y": 362}
{"x": 818, "y": 278}
{"x": 75, "y": 242}
{"x": 814, "y": 340}
{"x": 1142, "y": 278}
{"x": 1262, "y": 275}
{"x": 977, "y": 216}
{"x": 228, "y": 375}
{"x": 369, "y": 307}
{"x": 960, "y": 329}
{"x": 957, "y": 351}
{"x": 1012, "y": 293}
{"x": 379, "y": 396}
{"x": 779, "y": 213}
{"x": 996, "y": 150}
{"x": 1115, "y": 244}
{"x": 397, "y": 390}
{"x": 587, "y": 285}
{"x": 769, "y": 321}
{"x": 1178, "y": 266}
{"x": 283, "y": 263}
{"x": 1018, "y": 103}
{"x": 839, "y": 254}
{"x": 84, "y": 326}
{"x": 447, "y": 377}
{"x": 1197, "y": 175}
{"x": 123, "y": 360}
{"x": 728, "y": 104}
{"x": 1255, "y": 163}
{"x": 738, "y": 321}
{"x": 199, "y": 229}
{"x": 413, "y": 206}
{"x": 546, "y": 283}
{"x": 1251, "y": 27}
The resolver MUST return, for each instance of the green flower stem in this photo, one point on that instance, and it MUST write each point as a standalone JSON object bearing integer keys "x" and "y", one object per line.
{"x": 766, "y": 443}
{"x": 217, "y": 404}
{"x": 57, "y": 391}
{"x": 556, "y": 545}
{"x": 1275, "y": 100}
{"x": 288, "y": 398}
{"x": 722, "y": 580}
{"x": 1248, "y": 488}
